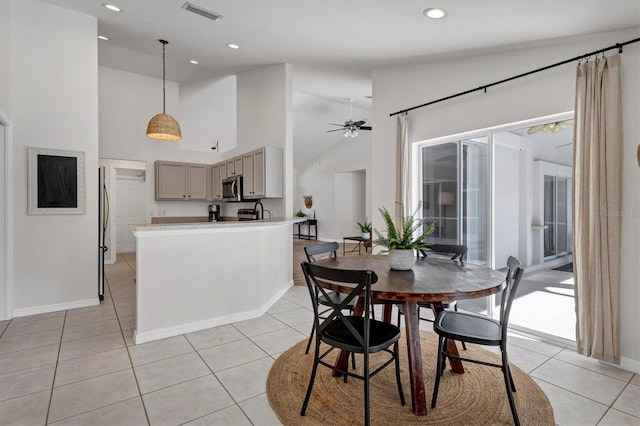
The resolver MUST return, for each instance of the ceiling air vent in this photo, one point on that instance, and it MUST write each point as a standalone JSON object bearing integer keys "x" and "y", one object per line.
{"x": 200, "y": 11}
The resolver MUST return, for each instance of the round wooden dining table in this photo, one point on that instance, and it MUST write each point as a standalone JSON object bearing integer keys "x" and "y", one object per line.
{"x": 432, "y": 280}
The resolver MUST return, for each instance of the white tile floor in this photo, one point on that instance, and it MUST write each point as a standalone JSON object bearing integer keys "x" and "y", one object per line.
{"x": 80, "y": 367}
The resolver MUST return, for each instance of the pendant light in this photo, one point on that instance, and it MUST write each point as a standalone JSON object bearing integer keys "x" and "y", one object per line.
{"x": 163, "y": 126}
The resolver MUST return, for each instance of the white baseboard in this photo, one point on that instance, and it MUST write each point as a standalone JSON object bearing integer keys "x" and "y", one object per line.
{"x": 632, "y": 365}
{"x": 55, "y": 307}
{"x": 190, "y": 327}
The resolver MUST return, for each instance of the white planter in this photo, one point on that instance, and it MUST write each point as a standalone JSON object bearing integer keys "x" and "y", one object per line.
{"x": 402, "y": 260}
{"x": 366, "y": 235}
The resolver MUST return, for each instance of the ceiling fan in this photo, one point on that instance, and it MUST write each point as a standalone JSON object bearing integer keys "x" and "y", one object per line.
{"x": 554, "y": 127}
{"x": 350, "y": 128}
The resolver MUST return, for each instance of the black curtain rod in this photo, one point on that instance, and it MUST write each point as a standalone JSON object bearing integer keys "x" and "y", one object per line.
{"x": 486, "y": 86}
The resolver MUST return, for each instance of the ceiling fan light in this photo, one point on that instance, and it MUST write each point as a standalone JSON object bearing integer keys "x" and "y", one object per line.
{"x": 164, "y": 127}
{"x": 347, "y": 133}
{"x": 354, "y": 133}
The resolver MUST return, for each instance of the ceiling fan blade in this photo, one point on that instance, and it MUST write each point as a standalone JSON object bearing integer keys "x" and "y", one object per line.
{"x": 336, "y": 130}
{"x": 335, "y": 124}
{"x": 535, "y": 129}
{"x": 364, "y": 127}
{"x": 359, "y": 123}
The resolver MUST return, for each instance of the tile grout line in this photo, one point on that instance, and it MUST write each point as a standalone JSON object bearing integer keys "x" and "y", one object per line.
{"x": 133, "y": 370}
{"x": 218, "y": 380}
{"x": 55, "y": 371}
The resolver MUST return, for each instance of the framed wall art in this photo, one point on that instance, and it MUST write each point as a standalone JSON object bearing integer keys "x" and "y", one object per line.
{"x": 56, "y": 182}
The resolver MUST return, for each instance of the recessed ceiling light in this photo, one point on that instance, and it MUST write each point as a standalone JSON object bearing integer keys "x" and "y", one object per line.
{"x": 112, "y": 7}
{"x": 434, "y": 13}
{"x": 103, "y": 38}
{"x": 193, "y": 61}
{"x": 233, "y": 46}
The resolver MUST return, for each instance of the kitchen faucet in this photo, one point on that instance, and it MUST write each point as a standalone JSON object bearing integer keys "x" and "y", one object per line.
{"x": 258, "y": 203}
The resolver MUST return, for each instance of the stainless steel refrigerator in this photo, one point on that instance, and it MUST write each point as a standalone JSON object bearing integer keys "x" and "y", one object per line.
{"x": 103, "y": 220}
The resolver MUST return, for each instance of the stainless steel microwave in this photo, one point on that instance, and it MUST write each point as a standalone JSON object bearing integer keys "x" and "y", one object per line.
{"x": 232, "y": 188}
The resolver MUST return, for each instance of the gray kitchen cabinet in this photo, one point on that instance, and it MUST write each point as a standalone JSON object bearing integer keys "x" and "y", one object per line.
{"x": 216, "y": 183}
{"x": 180, "y": 181}
{"x": 263, "y": 175}
{"x": 234, "y": 166}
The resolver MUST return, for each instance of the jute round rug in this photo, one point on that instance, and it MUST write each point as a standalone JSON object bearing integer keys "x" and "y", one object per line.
{"x": 477, "y": 397}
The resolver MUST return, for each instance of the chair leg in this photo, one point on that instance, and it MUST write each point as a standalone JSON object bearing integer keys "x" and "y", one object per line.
{"x": 367, "y": 419}
{"x": 311, "y": 380}
{"x": 439, "y": 368}
{"x": 508, "y": 382}
{"x": 313, "y": 330}
{"x": 396, "y": 355}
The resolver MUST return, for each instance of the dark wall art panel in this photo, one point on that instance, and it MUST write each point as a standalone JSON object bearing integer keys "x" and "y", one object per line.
{"x": 56, "y": 182}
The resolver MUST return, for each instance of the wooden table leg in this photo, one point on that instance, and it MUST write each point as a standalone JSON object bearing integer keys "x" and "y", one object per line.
{"x": 456, "y": 364}
{"x": 412, "y": 324}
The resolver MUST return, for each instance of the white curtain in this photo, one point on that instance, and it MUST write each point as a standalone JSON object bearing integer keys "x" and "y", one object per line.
{"x": 597, "y": 181}
{"x": 403, "y": 181}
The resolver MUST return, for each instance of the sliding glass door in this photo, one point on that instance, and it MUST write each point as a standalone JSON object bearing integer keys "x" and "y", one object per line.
{"x": 556, "y": 216}
{"x": 454, "y": 194}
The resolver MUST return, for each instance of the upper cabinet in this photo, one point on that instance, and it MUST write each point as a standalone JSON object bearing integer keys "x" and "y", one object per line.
{"x": 234, "y": 166}
{"x": 181, "y": 181}
{"x": 263, "y": 175}
{"x": 216, "y": 187}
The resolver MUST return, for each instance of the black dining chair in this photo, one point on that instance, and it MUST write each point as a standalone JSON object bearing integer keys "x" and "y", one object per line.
{"x": 457, "y": 253}
{"x": 481, "y": 330}
{"x": 313, "y": 253}
{"x": 352, "y": 334}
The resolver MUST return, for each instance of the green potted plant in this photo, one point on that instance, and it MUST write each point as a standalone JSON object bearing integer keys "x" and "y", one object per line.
{"x": 365, "y": 227}
{"x": 299, "y": 213}
{"x": 403, "y": 239}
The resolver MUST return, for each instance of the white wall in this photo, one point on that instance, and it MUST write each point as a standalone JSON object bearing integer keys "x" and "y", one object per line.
{"x": 5, "y": 56}
{"x": 332, "y": 154}
{"x": 127, "y": 102}
{"x": 265, "y": 119}
{"x": 208, "y": 114}
{"x": 545, "y": 93}
{"x": 54, "y": 83}
{"x": 318, "y": 180}
{"x": 507, "y": 205}
{"x": 349, "y": 209}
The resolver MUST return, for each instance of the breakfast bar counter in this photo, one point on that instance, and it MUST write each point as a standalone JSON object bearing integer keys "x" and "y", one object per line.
{"x": 194, "y": 276}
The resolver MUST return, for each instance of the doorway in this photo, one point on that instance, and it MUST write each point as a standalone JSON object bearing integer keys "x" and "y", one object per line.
{"x": 122, "y": 171}
{"x": 507, "y": 191}
{"x": 3, "y": 230}
{"x": 350, "y": 202}
{"x": 130, "y": 208}
{"x": 6, "y": 222}
{"x": 454, "y": 194}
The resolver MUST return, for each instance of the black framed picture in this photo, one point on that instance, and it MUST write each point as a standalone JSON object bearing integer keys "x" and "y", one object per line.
{"x": 56, "y": 182}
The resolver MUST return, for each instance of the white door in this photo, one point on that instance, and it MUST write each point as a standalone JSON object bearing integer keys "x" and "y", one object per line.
{"x": 130, "y": 209}
{"x": 3, "y": 231}
{"x": 350, "y": 200}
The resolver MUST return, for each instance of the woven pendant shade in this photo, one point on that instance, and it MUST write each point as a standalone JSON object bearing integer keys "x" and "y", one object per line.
{"x": 164, "y": 127}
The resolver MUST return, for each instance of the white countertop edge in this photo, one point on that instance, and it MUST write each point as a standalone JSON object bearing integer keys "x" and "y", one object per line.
{"x": 161, "y": 228}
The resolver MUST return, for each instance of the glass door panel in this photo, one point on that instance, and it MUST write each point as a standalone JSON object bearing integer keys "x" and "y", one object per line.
{"x": 474, "y": 200}
{"x": 561, "y": 216}
{"x": 556, "y": 216}
{"x": 454, "y": 195}
{"x": 549, "y": 216}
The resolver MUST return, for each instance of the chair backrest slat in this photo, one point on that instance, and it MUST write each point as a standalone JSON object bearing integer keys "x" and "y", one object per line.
{"x": 317, "y": 249}
{"x": 512, "y": 280}
{"x": 316, "y": 276}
